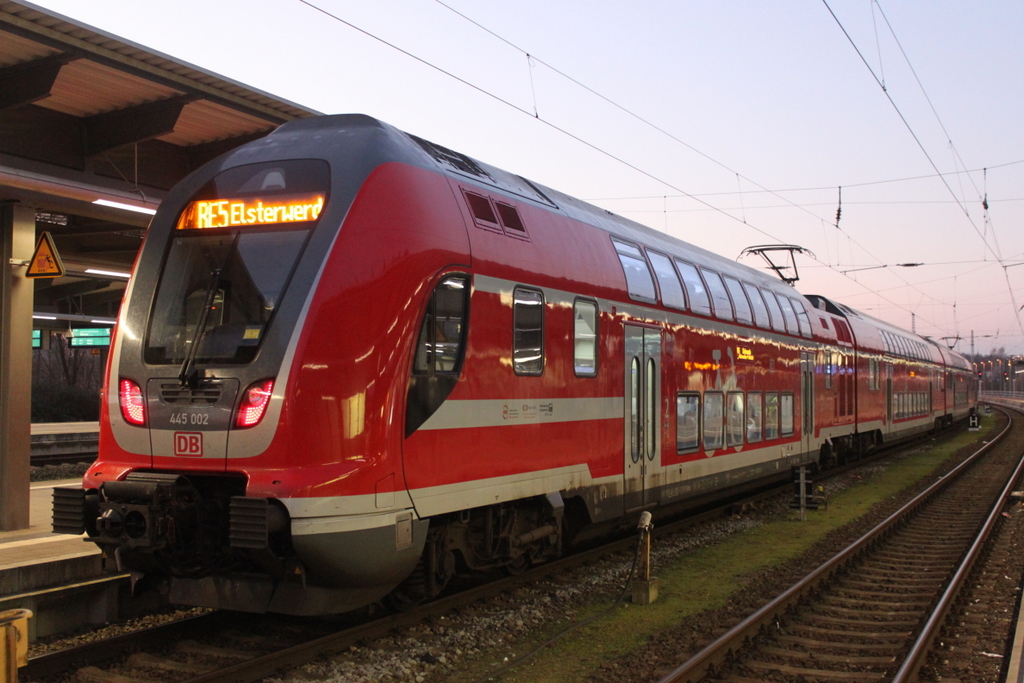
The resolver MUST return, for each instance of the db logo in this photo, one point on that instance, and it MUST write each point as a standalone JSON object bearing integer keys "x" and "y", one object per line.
{"x": 188, "y": 443}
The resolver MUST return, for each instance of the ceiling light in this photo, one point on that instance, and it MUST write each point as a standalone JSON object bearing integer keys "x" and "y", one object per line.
{"x": 127, "y": 207}
{"x": 111, "y": 273}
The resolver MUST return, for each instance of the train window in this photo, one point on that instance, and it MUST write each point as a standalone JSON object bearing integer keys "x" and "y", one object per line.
{"x": 442, "y": 335}
{"x": 510, "y": 219}
{"x": 761, "y": 318}
{"x": 237, "y": 278}
{"x": 734, "y": 419}
{"x": 778, "y": 324}
{"x": 695, "y": 290}
{"x": 482, "y": 211}
{"x": 873, "y": 374}
{"x": 639, "y": 283}
{"x": 720, "y": 297}
{"x": 528, "y": 331}
{"x": 713, "y": 420}
{"x": 802, "y": 318}
{"x": 786, "y": 414}
{"x": 440, "y": 348}
{"x": 828, "y": 369}
{"x": 754, "y": 417}
{"x": 585, "y": 338}
{"x": 789, "y": 315}
{"x": 668, "y": 281}
{"x": 687, "y": 422}
{"x": 739, "y": 301}
{"x": 771, "y": 415}
{"x": 843, "y": 332}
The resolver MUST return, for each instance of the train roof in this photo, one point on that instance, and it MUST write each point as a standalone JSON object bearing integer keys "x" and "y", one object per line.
{"x": 878, "y": 335}
{"x": 380, "y": 142}
{"x": 393, "y": 144}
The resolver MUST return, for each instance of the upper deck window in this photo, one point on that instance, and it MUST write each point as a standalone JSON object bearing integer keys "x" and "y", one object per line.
{"x": 760, "y": 309}
{"x": 695, "y": 289}
{"x": 229, "y": 262}
{"x": 778, "y": 323}
{"x": 639, "y": 282}
{"x": 789, "y": 314}
{"x": 802, "y": 318}
{"x": 739, "y": 300}
{"x": 723, "y": 307}
{"x": 668, "y": 281}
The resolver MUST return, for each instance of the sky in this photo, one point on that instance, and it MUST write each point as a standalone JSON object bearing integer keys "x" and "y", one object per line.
{"x": 725, "y": 124}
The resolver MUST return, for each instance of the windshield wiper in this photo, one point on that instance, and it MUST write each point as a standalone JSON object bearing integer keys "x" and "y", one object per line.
{"x": 188, "y": 374}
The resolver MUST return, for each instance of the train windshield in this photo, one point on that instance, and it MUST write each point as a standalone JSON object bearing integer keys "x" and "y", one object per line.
{"x": 229, "y": 262}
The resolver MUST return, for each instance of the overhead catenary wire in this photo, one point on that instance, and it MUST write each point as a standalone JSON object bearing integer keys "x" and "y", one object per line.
{"x": 580, "y": 140}
{"x": 831, "y": 187}
{"x": 668, "y": 134}
{"x": 913, "y": 133}
{"x": 995, "y": 250}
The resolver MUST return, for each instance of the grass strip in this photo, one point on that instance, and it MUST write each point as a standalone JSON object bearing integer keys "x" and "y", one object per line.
{"x": 706, "y": 578}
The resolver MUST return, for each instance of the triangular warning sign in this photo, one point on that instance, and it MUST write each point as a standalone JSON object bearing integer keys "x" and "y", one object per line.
{"x": 45, "y": 261}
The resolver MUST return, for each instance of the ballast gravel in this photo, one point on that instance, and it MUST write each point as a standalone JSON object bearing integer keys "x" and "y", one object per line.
{"x": 487, "y": 635}
{"x": 491, "y": 631}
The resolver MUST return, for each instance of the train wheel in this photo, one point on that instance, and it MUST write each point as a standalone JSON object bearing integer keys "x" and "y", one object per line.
{"x": 410, "y": 593}
{"x": 517, "y": 566}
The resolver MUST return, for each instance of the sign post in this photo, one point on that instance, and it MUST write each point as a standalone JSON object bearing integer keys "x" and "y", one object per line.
{"x": 18, "y": 230}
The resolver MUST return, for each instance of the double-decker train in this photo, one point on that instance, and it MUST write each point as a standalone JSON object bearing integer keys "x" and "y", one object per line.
{"x": 352, "y": 363}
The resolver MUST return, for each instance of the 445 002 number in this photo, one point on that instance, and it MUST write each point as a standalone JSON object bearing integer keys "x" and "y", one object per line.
{"x": 190, "y": 418}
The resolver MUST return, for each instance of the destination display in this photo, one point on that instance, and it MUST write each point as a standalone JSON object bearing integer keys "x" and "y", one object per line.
{"x": 236, "y": 213}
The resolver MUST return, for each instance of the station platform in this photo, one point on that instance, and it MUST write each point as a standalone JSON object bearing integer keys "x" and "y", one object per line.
{"x": 54, "y": 575}
{"x": 36, "y": 557}
{"x": 44, "y": 429}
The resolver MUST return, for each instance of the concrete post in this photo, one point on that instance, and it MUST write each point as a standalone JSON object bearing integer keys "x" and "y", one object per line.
{"x": 18, "y": 225}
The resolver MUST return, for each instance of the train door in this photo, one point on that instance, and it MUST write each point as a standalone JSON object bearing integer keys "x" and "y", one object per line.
{"x": 888, "y": 397}
{"x": 642, "y": 389}
{"x": 807, "y": 399}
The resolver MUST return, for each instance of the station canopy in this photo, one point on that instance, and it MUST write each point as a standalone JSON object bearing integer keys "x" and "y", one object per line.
{"x": 88, "y": 117}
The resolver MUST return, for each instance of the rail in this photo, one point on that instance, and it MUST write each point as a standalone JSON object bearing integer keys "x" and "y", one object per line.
{"x": 919, "y": 650}
{"x": 715, "y": 653}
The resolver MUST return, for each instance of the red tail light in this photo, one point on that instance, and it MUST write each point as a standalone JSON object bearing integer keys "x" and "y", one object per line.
{"x": 133, "y": 405}
{"x": 254, "y": 404}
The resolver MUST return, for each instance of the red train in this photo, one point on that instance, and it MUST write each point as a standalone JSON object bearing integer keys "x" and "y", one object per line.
{"x": 353, "y": 363}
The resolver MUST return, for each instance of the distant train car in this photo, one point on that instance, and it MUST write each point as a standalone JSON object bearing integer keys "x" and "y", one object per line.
{"x": 352, "y": 363}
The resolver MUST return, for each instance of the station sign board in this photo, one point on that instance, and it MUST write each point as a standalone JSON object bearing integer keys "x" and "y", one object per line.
{"x": 90, "y": 336}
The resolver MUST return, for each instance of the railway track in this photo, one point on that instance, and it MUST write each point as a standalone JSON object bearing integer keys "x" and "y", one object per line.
{"x": 223, "y": 646}
{"x": 872, "y": 612}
